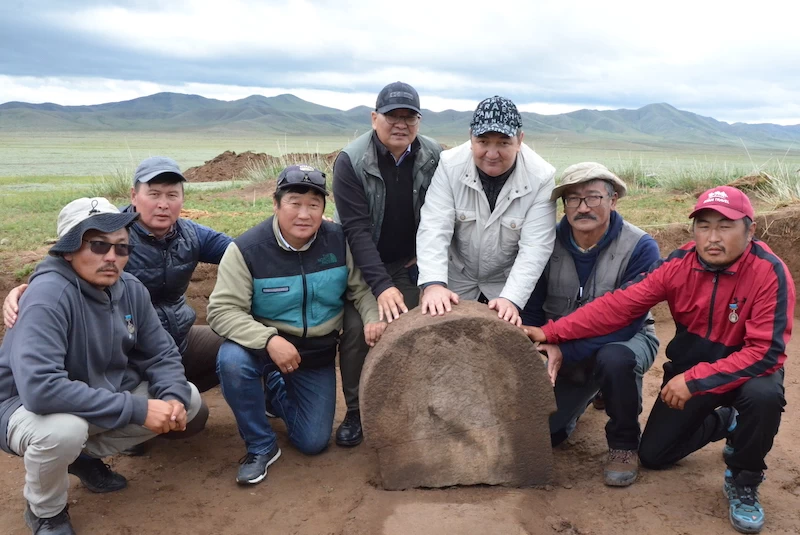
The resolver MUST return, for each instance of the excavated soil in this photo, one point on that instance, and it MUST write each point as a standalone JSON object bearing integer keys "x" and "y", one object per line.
{"x": 232, "y": 166}
{"x": 188, "y": 487}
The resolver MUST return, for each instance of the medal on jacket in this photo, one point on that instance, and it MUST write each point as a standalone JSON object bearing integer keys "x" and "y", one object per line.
{"x": 129, "y": 324}
{"x": 733, "y": 317}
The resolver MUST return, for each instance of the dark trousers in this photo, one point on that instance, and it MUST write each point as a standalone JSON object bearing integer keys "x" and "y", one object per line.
{"x": 200, "y": 357}
{"x": 671, "y": 434}
{"x": 352, "y": 348}
{"x": 616, "y": 370}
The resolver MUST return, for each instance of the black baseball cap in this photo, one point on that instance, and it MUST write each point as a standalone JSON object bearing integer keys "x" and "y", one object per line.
{"x": 302, "y": 175}
{"x": 396, "y": 96}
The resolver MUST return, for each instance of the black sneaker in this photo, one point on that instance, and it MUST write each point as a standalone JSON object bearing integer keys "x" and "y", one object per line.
{"x": 96, "y": 475}
{"x": 254, "y": 467}
{"x": 349, "y": 432}
{"x": 57, "y": 525}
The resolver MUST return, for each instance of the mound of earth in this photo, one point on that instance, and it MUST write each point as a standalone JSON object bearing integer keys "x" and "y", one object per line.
{"x": 232, "y": 166}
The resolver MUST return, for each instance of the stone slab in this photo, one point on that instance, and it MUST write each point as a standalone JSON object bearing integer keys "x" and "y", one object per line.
{"x": 462, "y": 399}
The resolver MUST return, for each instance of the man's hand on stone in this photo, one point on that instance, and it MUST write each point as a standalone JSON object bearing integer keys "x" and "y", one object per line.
{"x": 506, "y": 310}
{"x": 436, "y": 299}
{"x": 536, "y": 334}
{"x": 283, "y": 354}
{"x": 391, "y": 304}
{"x": 554, "y": 360}
{"x": 11, "y": 305}
{"x": 178, "y": 417}
{"x": 159, "y": 415}
{"x": 675, "y": 393}
{"x": 373, "y": 332}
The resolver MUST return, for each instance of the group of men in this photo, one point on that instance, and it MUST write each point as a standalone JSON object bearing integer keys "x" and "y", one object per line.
{"x": 103, "y": 354}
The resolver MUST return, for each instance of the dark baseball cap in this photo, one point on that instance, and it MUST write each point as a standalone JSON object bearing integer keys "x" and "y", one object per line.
{"x": 155, "y": 166}
{"x": 496, "y": 114}
{"x": 302, "y": 175}
{"x": 396, "y": 96}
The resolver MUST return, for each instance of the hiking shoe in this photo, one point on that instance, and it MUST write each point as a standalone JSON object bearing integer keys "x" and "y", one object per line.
{"x": 96, "y": 475}
{"x": 349, "y": 432}
{"x": 744, "y": 510}
{"x": 621, "y": 468}
{"x": 254, "y": 466}
{"x": 598, "y": 402}
{"x": 57, "y": 525}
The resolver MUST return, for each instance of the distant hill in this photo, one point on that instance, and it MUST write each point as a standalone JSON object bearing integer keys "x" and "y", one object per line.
{"x": 290, "y": 115}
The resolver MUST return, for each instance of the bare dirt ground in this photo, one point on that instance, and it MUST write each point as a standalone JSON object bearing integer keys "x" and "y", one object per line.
{"x": 230, "y": 166}
{"x": 188, "y": 487}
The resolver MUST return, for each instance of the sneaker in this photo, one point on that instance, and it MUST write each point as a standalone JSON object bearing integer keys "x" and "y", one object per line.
{"x": 621, "y": 468}
{"x": 96, "y": 475}
{"x": 598, "y": 402}
{"x": 349, "y": 432}
{"x": 57, "y": 525}
{"x": 744, "y": 510}
{"x": 254, "y": 466}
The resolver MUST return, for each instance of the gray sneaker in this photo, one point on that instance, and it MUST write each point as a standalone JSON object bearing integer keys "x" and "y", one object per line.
{"x": 254, "y": 466}
{"x": 621, "y": 468}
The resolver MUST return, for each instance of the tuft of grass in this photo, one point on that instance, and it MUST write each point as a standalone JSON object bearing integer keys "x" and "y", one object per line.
{"x": 269, "y": 169}
{"x": 783, "y": 187}
{"x": 23, "y": 272}
{"x": 115, "y": 185}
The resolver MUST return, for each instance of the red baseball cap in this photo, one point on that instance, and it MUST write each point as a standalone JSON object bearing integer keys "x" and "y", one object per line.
{"x": 728, "y": 201}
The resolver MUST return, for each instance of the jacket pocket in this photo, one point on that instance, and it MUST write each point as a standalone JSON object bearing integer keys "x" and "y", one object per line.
{"x": 556, "y": 307}
{"x": 465, "y": 231}
{"x": 510, "y": 232}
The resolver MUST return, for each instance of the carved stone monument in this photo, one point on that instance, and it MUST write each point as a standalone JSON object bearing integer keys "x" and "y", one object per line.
{"x": 462, "y": 399}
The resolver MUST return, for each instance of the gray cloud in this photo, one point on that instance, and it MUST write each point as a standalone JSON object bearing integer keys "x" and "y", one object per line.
{"x": 542, "y": 54}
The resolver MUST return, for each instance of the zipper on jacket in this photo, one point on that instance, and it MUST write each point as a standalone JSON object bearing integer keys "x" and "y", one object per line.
{"x": 305, "y": 294}
{"x": 711, "y": 310}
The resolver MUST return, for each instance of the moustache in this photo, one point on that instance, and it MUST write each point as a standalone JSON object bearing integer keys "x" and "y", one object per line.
{"x": 108, "y": 269}
{"x": 714, "y": 248}
{"x": 585, "y": 216}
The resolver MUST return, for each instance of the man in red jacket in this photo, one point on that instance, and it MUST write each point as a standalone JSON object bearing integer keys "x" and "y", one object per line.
{"x": 732, "y": 300}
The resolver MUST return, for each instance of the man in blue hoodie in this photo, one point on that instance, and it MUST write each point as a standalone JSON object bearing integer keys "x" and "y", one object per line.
{"x": 596, "y": 251}
{"x": 87, "y": 371}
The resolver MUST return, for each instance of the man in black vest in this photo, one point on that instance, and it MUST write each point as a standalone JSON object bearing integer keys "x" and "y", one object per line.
{"x": 379, "y": 185}
{"x": 596, "y": 251}
{"x": 167, "y": 249}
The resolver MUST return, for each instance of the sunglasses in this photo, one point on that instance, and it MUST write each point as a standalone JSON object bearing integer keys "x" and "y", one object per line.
{"x": 298, "y": 176}
{"x": 103, "y": 247}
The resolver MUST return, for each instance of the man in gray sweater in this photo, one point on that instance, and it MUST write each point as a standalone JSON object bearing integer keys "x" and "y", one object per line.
{"x": 87, "y": 371}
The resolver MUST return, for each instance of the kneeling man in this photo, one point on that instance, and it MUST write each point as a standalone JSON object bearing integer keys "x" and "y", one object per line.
{"x": 279, "y": 302}
{"x": 87, "y": 371}
{"x": 596, "y": 252}
{"x": 732, "y": 300}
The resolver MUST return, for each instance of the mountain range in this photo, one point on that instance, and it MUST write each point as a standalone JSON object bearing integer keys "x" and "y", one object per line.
{"x": 290, "y": 115}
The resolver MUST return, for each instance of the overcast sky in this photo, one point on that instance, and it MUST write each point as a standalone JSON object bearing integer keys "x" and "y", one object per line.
{"x": 730, "y": 60}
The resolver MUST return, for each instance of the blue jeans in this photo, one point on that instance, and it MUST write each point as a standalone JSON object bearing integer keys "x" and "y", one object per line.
{"x": 305, "y": 400}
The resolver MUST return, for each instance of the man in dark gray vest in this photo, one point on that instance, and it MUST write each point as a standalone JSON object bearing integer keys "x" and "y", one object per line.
{"x": 595, "y": 252}
{"x": 379, "y": 185}
{"x": 167, "y": 249}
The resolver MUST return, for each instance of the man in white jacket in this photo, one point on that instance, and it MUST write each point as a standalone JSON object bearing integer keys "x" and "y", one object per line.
{"x": 488, "y": 225}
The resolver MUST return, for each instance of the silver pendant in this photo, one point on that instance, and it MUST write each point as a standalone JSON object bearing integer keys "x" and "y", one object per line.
{"x": 733, "y": 317}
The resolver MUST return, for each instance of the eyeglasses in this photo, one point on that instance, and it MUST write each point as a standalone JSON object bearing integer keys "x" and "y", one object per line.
{"x": 410, "y": 120}
{"x": 103, "y": 247}
{"x": 590, "y": 200}
{"x": 300, "y": 176}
